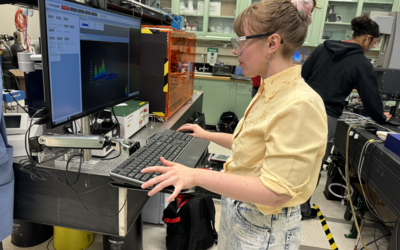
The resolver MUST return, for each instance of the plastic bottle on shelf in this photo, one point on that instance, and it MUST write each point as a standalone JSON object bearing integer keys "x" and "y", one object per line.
{"x": 189, "y": 28}
{"x": 194, "y": 27}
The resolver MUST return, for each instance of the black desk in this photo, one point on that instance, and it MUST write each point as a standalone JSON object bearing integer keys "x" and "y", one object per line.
{"x": 381, "y": 167}
{"x": 52, "y": 203}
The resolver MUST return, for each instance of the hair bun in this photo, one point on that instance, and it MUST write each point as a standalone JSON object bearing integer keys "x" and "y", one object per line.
{"x": 364, "y": 25}
{"x": 304, "y": 7}
{"x": 360, "y": 23}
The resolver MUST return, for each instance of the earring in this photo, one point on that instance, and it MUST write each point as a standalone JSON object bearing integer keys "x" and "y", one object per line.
{"x": 268, "y": 61}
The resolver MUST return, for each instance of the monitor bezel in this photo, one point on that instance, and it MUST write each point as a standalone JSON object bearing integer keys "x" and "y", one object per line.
{"x": 46, "y": 69}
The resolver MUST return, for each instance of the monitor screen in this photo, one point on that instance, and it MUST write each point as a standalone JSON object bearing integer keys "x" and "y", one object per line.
{"x": 91, "y": 59}
{"x": 13, "y": 121}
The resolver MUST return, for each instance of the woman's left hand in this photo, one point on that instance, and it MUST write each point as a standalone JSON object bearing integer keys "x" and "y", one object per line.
{"x": 173, "y": 174}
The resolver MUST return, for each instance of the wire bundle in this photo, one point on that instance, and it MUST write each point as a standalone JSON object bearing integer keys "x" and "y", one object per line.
{"x": 28, "y": 165}
{"x": 21, "y": 24}
{"x": 370, "y": 206}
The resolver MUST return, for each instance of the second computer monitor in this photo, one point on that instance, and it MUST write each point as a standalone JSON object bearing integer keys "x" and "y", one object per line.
{"x": 91, "y": 59}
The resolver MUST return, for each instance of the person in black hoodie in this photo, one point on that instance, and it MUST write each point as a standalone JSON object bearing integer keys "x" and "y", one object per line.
{"x": 335, "y": 68}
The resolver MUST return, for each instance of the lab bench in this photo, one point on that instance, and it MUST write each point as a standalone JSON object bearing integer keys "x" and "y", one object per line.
{"x": 93, "y": 204}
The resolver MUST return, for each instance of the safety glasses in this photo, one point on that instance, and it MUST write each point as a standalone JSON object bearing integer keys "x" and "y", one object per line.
{"x": 376, "y": 44}
{"x": 238, "y": 43}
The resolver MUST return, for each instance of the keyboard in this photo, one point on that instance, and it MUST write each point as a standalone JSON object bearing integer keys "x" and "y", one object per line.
{"x": 172, "y": 145}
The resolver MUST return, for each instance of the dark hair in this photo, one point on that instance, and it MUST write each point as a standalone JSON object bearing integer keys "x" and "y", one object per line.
{"x": 276, "y": 16}
{"x": 364, "y": 25}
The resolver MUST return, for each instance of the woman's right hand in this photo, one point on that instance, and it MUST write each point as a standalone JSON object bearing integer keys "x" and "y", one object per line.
{"x": 197, "y": 131}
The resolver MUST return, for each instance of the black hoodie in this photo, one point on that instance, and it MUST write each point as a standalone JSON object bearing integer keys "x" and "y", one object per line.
{"x": 334, "y": 69}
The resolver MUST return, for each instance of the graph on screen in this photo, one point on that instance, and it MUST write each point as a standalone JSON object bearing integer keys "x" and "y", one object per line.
{"x": 100, "y": 73}
{"x": 104, "y": 74}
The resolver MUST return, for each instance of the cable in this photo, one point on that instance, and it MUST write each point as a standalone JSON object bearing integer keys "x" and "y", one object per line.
{"x": 79, "y": 170}
{"x": 41, "y": 177}
{"x": 26, "y": 30}
{"x": 336, "y": 195}
{"x": 376, "y": 244}
{"x": 21, "y": 24}
{"x": 370, "y": 206}
{"x": 348, "y": 179}
{"x": 374, "y": 241}
{"x": 137, "y": 7}
{"x": 27, "y": 133}
{"x": 169, "y": 15}
{"x": 115, "y": 157}
{"x": 48, "y": 244}
{"x": 77, "y": 194}
{"x": 95, "y": 122}
{"x": 367, "y": 199}
{"x": 26, "y": 139}
{"x": 112, "y": 109}
{"x": 105, "y": 215}
{"x": 347, "y": 117}
{"x": 377, "y": 215}
{"x": 376, "y": 124}
{"x": 29, "y": 166}
{"x": 17, "y": 102}
{"x": 397, "y": 235}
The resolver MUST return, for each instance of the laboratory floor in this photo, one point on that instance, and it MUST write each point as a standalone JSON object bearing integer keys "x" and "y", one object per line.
{"x": 313, "y": 238}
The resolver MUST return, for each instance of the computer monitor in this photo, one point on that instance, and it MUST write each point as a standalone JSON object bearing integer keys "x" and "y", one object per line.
{"x": 91, "y": 59}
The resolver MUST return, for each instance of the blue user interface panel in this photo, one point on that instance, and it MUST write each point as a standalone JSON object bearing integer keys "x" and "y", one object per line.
{"x": 93, "y": 59}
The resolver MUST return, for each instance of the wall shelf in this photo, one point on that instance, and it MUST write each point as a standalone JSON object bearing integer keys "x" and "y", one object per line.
{"x": 334, "y": 23}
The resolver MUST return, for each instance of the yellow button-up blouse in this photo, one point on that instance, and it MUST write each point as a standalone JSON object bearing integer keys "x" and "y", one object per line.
{"x": 282, "y": 138}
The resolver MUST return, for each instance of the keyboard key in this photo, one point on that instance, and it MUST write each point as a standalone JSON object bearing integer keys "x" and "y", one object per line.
{"x": 123, "y": 173}
{"x": 138, "y": 176}
{"x": 115, "y": 171}
{"x": 145, "y": 177}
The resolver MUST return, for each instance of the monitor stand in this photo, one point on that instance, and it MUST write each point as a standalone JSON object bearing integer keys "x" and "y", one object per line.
{"x": 88, "y": 162}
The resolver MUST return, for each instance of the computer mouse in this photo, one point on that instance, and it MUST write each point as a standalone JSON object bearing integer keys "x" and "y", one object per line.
{"x": 186, "y": 131}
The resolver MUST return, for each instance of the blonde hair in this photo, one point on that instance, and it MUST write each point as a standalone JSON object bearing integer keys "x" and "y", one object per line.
{"x": 283, "y": 17}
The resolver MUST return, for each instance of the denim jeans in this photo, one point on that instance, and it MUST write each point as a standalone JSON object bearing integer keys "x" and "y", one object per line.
{"x": 243, "y": 226}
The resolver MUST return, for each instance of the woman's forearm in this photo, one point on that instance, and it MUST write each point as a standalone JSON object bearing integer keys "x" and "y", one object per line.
{"x": 221, "y": 139}
{"x": 248, "y": 189}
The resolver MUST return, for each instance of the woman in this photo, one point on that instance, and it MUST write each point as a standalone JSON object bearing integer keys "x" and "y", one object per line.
{"x": 6, "y": 180}
{"x": 335, "y": 68}
{"x": 277, "y": 147}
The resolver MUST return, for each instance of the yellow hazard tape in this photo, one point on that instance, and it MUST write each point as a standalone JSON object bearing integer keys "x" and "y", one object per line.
{"x": 166, "y": 67}
{"x": 326, "y": 229}
{"x": 159, "y": 113}
{"x": 146, "y": 31}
